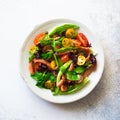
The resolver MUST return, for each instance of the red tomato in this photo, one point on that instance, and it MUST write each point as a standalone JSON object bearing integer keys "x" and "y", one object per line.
{"x": 82, "y": 38}
{"x": 38, "y": 38}
{"x": 64, "y": 58}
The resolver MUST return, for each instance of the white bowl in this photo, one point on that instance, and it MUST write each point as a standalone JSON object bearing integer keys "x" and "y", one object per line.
{"x": 47, "y": 94}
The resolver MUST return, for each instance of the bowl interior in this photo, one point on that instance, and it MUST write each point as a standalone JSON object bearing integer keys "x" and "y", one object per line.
{"x": 46, "y": 94}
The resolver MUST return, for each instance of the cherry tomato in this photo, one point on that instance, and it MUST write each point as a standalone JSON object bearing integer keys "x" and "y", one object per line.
{"x": 38, "y": 38}
{"x": 66, "y": 42}
{"x": 81, "y": 60}
{"x": 33, "y": 48}
{"x": 64, "y": 58}
{"x": 53, "y": 64}
{"x": 69, "y": 32}
{"x": 82, "y": 38}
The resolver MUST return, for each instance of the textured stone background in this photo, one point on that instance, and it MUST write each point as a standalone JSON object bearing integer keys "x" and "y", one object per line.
{"x": 18, "y": 18}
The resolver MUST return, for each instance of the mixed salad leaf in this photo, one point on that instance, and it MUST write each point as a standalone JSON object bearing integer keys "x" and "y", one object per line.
{"x": 61, "y": 60}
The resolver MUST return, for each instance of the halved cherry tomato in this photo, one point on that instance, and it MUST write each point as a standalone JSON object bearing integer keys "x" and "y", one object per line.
{"x": 33, "y": 48}
{"x": 81, "y": 60}
{"x": 69, "y": 32}
{"x": 31, "y": 68}
{"x": 64, "y": 58}
{"x": 66, "y": 42}
{"x": 76, "y": 43}
{"x": 38, "y": 38}
{"x": 82, "y": 38}
{"x": 53, "y": 64}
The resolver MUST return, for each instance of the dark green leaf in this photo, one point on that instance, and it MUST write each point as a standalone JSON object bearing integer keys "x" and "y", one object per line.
{"x": 56, "y": 91}
{"x": 41, "y": 78}
{"x": 53, "y": 44}
{"x": 59, "y": 62}
{"x": 87, "y": 63}
{"x": 59, "y": 41}
{"x": 79, "y": 69}
{"x": 65, "y": 66}
{"x": 52, "y": 78}
{"x": 47, "y": 55}
{"x": 37, "y": 76}
{"x": 71, "y": 75}
{"x": 40, "y": 83}
{"x": 46, "y": 41}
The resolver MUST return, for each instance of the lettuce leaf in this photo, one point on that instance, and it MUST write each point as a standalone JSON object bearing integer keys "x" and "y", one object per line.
{"x": 47, "y": 55}
{"x": 42, "y": 77}
{"x": 71, "y": 75}
{"x": 80, "y": 69}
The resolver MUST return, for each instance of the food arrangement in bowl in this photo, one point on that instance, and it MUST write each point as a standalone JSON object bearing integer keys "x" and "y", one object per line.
{"x": 61, "y": 60}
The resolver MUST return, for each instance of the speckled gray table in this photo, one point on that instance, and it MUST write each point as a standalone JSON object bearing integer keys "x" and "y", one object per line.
{"x": 17, "y": 19}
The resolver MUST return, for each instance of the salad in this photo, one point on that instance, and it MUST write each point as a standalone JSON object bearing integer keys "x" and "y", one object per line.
{"x": 61, "y": 60}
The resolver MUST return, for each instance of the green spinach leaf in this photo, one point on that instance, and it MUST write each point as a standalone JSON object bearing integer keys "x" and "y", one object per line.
{"x": 37, "y": 76}
{"x": 47, "y": 55}
{"x": 71, "y": 75}
{"x": 52, "y": 78}
{"x": 79, "y": 69}
{"x": 45, "y": 42}
{"x": 41, "y": 78}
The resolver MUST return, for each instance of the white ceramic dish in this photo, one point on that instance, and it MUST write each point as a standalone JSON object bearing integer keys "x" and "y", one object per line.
{"x": 46, "y": 94}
